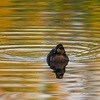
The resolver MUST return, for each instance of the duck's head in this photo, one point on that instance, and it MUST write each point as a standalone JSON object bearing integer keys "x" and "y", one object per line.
{"x": 60, "y": 49}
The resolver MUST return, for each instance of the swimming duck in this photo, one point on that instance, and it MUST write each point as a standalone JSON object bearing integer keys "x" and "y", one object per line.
{"x": 57, "y": 60}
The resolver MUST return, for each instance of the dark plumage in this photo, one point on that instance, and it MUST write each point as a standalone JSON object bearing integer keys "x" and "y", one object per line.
{"x": 57, "y": 60}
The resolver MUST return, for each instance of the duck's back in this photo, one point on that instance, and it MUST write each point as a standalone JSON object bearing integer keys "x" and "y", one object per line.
{"x": 50, "y": 56}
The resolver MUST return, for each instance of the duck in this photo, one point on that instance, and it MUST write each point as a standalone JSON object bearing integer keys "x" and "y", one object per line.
{"x": 57, "y": 59}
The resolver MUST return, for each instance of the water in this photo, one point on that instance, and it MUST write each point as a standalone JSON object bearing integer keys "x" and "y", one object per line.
{"x": 29, "y": 30}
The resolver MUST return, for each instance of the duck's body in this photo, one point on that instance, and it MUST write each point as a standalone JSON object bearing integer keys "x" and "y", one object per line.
{"x": 57, "y": 60}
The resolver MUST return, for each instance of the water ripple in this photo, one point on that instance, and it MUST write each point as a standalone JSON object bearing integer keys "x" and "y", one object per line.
{"x": 29, "y": 29}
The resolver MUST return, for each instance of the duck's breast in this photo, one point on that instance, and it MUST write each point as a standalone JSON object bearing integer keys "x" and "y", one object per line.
{"x": 59, "y": 61}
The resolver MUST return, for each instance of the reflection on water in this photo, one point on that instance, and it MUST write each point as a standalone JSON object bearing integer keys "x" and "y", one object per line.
{"x": 29, "y": 29}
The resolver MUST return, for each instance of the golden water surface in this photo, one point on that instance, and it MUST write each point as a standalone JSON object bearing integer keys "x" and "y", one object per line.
{"x": 29, "y": 29}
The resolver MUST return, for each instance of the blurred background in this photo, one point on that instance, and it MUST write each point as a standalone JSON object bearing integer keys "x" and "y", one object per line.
{"x": 29, "y": 29}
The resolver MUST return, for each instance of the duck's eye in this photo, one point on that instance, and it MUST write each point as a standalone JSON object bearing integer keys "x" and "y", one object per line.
{"x": 59, "y": 50}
